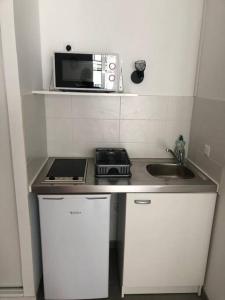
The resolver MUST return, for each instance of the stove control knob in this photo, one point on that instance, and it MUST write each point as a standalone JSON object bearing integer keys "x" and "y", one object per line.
{"x": 112, "y": 78}
{"x": 112, "y": 66}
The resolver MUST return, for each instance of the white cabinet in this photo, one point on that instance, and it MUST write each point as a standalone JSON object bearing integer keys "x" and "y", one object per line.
{"x": 166, "y": 242}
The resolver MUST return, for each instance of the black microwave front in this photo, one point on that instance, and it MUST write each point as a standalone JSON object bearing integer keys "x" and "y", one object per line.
{"x": 87, "y": 72}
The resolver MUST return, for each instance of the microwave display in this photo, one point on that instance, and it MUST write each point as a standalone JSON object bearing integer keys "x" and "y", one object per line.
{"x": 77, "y": 71}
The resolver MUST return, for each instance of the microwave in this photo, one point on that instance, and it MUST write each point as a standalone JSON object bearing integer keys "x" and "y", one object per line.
{"x": 87, "y": 72}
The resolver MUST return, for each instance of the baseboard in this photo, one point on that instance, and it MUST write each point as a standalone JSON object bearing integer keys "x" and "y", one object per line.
{"x": 15, "y": 296}
{"x": 11, "y": 293}
{"x": 204, "y": 295}
{"x": 160, "y": 290}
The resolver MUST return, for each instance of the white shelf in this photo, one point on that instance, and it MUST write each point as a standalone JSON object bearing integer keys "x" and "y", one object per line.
{"x": 58, "y": 93}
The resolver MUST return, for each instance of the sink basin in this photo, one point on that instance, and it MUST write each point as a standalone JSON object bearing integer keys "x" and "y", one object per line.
{"x": 170, "y": 171}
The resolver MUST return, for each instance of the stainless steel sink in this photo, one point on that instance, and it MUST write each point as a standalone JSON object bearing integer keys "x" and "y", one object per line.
{"x": 170, "y": 171}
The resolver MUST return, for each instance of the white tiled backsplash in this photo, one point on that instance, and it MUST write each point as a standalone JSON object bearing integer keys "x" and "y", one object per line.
{"x": 208, "y": 128}
{"x": 144, "y": 125}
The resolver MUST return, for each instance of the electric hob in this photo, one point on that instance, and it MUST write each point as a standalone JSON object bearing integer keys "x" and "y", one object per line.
{"x": 67, "y": 170}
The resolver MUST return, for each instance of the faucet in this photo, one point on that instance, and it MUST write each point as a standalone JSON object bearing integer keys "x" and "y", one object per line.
{"x": 179, "y": 150}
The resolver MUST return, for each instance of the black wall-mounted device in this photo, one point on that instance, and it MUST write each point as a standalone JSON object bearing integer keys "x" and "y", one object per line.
{"x": 68, "y": 48}
{"x": 138, "y": 75}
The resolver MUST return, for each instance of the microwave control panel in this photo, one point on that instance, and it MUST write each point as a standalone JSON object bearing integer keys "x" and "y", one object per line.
{"x": 111, "y": 72}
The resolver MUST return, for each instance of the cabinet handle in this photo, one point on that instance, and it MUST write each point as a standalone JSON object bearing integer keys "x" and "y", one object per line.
{"x": 53, "y": 198}
{"x": 142, "y": 202}
{"x": 95, "y": 198}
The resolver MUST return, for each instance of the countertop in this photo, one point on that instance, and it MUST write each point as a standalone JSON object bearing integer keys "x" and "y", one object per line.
{"x": 140, "y": 182}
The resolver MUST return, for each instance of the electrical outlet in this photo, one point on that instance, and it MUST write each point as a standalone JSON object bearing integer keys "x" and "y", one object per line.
{"x": 207, "y": 150}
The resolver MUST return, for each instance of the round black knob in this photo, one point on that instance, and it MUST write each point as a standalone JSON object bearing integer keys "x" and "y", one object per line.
{"x": 68, "y": 48}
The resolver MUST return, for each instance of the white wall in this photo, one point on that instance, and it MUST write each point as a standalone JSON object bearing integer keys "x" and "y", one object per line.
{"x": 30, "y": 74}
{"x": 208, "y": 127}
{"x": 11, "y": 74}
{"x": 212, "y": 64}
{"x": 27, "y": 29}
{"x": 164, "y": 33}
{"x": 10, "y": 271}
{"x": 208, "y": 122}
{"x": 215, "y": 278}
{"x": 22, "y": 66}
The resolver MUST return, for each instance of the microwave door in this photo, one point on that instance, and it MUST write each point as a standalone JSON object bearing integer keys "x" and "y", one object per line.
{"x": 79, "y": 71}
{"x": 90, "y": 72}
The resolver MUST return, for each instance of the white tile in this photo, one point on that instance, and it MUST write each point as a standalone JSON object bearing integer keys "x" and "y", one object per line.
{"x": 95, "y": 130}
{"x": 217, "y": 153}
{"x": 209, "y": 166}
{"x": 180, "y": 108}
{"x": 145, "y": 150}
{"x": 96, "y": 107}
{"x": 149, "y": 124}
{"x": 144, "y": 107}
{"x": 145, "y": 131}
{"x": 87, "y": 148}
{"x": 59, "y": 136}
{"x": 58, "y": 106}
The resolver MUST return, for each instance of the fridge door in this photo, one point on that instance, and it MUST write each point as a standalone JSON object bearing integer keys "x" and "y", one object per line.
{"x": 75, "y": 245}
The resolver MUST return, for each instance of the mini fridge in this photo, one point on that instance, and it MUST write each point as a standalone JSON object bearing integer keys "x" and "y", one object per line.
{"x": 75, "y": 245}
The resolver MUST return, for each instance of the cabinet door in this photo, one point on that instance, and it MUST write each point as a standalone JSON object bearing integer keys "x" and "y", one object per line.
{"x": 167, "y": 239}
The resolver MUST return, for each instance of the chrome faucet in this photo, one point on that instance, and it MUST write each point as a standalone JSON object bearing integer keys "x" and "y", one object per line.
{"x": 179, "y": 150}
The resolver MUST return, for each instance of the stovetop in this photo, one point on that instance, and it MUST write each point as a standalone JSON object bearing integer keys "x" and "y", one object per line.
{"x": 67, "y": 170}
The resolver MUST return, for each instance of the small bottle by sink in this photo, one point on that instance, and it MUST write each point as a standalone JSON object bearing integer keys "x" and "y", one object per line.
{"x": 179, "y": 150}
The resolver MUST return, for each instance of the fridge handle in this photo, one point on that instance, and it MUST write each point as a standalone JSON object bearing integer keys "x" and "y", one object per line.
{"x": 53, "y": 198}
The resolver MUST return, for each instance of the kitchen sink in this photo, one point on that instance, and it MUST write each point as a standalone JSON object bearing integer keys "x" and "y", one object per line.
{"x": 167, "y": 170}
